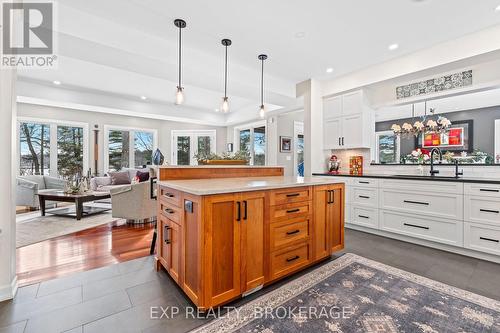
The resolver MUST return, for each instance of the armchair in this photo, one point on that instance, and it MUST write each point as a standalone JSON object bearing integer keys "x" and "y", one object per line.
{"x": 29, "y": 186}
{"x": 133, "y": 203}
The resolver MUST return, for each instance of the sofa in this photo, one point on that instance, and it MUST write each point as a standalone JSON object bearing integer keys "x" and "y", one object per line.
{"x": 133, "y": 203}
{"x": 29, "y": 186}
{"x": 104, "y": 184}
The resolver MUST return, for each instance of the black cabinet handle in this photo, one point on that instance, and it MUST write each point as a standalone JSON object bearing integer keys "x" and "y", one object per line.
{"x": 292, "y": 258}
{"x": 363, "y": 216}
{"x": 363, "y": 197}
{"x": 416, "y": 202}
{"x": 167, "y": 239}
{"x": 152, "y": 183}
{"x": 490, "y": 240}
{"x": 169, "y": 210}
{"x": 169, "y": 195}
{"x": 415, "y": 226}
{"x": 342, "y": 141}
{"x": 293, "y": 210}
{"x": 363, "y": 182}
{"x": 488, "y": 190}
{"x": 245, "y": 213}
{"x": 238, "y": 218}
{"x": 292, "y": 195}
{"x": 490, "y": 211}
{"x": 340, "y": 144}
{"x": 333, "y": 196}
{"x": 293, "y": 232}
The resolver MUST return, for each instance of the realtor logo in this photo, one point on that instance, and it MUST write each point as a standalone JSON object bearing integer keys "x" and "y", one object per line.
{"x": 28, "y": 34}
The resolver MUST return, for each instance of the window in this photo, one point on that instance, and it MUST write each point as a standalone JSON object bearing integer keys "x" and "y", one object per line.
{"x": 252, "y": 139}
{"x": 298, "y": 133}
{"x": 387, "y": 147}
{"x": 128, "y": 147}
{"x": 51, "y": 148}
{"x": 186, "y": 144}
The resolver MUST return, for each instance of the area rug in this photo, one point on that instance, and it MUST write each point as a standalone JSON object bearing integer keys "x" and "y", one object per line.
{"x": 40, "y": 228}
{"x": 355, "y": 294}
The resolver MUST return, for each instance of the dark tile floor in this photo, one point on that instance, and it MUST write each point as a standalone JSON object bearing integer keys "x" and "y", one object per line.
{"x": 119, "y": 298}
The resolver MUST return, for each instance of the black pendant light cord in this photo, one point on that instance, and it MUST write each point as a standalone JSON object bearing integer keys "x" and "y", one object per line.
{"x": 180, "y": 55}
{"x": 225, "y": 76}
{"x": 262, "y": 84}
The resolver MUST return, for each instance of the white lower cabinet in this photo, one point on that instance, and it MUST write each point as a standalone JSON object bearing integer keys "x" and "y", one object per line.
{"x": 364, "y": 216}
{"x": 482, "y": 210}
{"x": 438, "y": 230}
{"x": 482, "y": 238}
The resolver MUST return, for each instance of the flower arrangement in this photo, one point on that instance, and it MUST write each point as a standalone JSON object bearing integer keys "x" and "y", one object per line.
{"x": 418, "y": 156}
{"x": 239, "y": 157}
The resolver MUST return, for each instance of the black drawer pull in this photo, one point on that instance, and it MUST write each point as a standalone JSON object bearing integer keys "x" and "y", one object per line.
{"x": 169, "y": 211}
{"x": 490, "y": 211}
{"x": 415, "y": 226}
{"x": 417, "y": 202}
{"x": 292, "y": 195}
{"x": 363, "y": 197}
{"x": 293, "y": 210}
{"x": 488, "y": 190}
{"x": 165, "y": 236}
{"x": 363, "y": 216}
{"x": 292, "y": 232}
{"x": 293, "y": 258}
{"x": 169, "y": 195}
{"x": 490, "y": 240}
{"x": 362, "y": 182}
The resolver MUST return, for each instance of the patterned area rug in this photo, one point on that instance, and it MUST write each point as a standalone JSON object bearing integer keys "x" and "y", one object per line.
{"x": 355, "y": 294}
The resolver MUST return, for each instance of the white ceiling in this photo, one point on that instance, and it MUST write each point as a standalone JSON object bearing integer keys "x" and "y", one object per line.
{"x": 129, "y": 47}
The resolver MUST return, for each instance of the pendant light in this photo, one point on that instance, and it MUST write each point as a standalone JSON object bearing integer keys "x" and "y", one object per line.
{"x": 225, "y": 102}
{"x": 179, "y": 95}
{"x": 262, "y": 111}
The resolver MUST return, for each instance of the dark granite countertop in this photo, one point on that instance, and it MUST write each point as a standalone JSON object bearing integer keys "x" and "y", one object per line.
{"x": 417, "y": 177}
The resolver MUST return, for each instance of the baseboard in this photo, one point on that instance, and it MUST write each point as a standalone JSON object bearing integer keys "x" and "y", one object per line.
{"x": 443, "y": 247}
{"x": 8, "y": 291}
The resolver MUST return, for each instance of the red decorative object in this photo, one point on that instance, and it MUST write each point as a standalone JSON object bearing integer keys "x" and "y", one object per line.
{"x": 453, "y": 137}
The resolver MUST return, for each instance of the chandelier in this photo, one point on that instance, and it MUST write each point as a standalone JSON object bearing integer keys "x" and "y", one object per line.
{"x": 422, "y": 126}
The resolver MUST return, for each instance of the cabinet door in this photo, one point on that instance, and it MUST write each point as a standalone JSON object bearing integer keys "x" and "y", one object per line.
{"x": 252, "y": 238}
{"x": 332, "y": 132}
{"x": 335, "y": 225}
{"x": 320, "y": 226}
{"x": 352, "y": 103}
{"x": 332, "y": 107}
{"x": 175, "y": 238}
{"x": 223, "y": 250}
{"x": 352, "y": 131}
{"x": 163, "y": 245}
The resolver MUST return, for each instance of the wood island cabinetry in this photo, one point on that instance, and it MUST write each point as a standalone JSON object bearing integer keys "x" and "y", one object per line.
{"x": 218, "y": 247}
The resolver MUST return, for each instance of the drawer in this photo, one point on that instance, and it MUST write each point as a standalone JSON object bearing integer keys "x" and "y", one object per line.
{"x": 482, "y": 238}
{"x": 363, "y": 216}
{"x": 484, "y": 190}
{"x": 364, "y": 196}
{"x": 423, "y": 186}
{"x": 290, "y": 210}
{"x": 365, "y": 182}
{"x": 285, "y": 196}
{"x": 171, "y": 212}
{"x": 288, "y": 232}
{"x": 482, "y": 210}
{"x": 289, "y": 260}
{"x": 434, "y": 204}
{"x": 437, "y": 230}
{"x": 170, "y": 196}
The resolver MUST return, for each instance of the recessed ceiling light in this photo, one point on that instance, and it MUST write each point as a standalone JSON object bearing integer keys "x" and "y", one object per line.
{"x": 329, "y": 70}
{"x": 144, "y": 98}
{"x": 393, "y": 47}
{"x": 300, "y": 34}
{"x": 216, "y": 110}
{"x": 56, "y": 82}
{"x": 497, "y": 9}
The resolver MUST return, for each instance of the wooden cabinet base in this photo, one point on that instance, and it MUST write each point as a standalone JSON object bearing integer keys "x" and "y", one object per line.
{"x": 220, "y": 247}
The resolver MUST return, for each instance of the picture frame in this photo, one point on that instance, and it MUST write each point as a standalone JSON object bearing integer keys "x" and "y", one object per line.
{"x": 465, "y": 130}
{"x": 285, "y": 144}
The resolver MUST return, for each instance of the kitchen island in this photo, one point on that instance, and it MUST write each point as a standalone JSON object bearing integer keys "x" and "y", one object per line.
{"x": 223, "y": 238}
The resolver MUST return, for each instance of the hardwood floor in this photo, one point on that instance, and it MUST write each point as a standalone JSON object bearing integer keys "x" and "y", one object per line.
{"x": 84, "y": 250}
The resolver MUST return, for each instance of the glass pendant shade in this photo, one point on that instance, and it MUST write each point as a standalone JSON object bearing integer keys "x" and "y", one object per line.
{"x": 225, "y": 105}
{"x": 179, "y": 96}
{"x": 262, "y": 111}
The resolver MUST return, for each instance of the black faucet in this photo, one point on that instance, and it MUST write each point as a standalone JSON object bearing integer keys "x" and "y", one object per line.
{"x": 457, "y": 173}
{"x": 434, "y": 150}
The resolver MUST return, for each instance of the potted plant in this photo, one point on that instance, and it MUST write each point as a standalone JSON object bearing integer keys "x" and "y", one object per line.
{"x": 238, "y": 158}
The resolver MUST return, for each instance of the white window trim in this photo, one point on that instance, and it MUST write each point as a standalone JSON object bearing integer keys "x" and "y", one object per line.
{"x": 377, "y": 151}
{"x": 250, "y": 126}
{"x": 298, "y": 128}
{"x": 193, "y": 147}
{"x": 53, "y": 140}
{"x": 108, "y": 128}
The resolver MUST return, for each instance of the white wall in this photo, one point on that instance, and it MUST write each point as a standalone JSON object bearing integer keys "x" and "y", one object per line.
{"x": 285, "y": 127}
{"x": 164, "y": 127}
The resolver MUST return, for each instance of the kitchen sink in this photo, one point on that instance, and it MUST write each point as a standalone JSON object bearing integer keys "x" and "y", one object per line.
{"x": 425, "y": 177}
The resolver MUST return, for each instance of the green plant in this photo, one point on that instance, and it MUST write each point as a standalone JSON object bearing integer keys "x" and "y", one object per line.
{"x": 239, "y": 155}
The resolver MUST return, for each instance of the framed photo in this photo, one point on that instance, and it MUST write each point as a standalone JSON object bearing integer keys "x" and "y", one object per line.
{"x": 229, "y": 147}
{"x": 457, "y": 138}
{"x": 285, "y": 144}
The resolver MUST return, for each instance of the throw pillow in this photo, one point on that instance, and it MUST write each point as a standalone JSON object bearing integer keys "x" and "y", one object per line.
{"x": 143, "y": 176}
{"x": 119, "y": 178}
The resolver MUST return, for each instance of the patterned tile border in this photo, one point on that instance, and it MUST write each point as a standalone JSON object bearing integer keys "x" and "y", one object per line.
{"x": 233, "y": 320}
{"x": 442, "y": 83}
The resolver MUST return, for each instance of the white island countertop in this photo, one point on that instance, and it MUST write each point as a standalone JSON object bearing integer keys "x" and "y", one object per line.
{"x": 233, "y": 185}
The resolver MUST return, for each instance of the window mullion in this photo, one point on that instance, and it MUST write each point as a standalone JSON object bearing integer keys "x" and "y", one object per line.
{"x": 53, "y": 151}
{"x": 131, "y": 150}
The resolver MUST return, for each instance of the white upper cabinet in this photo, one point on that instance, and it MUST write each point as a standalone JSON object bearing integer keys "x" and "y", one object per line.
{"x": 348, "y": 122}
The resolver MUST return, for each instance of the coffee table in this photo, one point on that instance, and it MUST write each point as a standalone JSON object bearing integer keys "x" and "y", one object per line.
{"x": 79, "y": 199}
